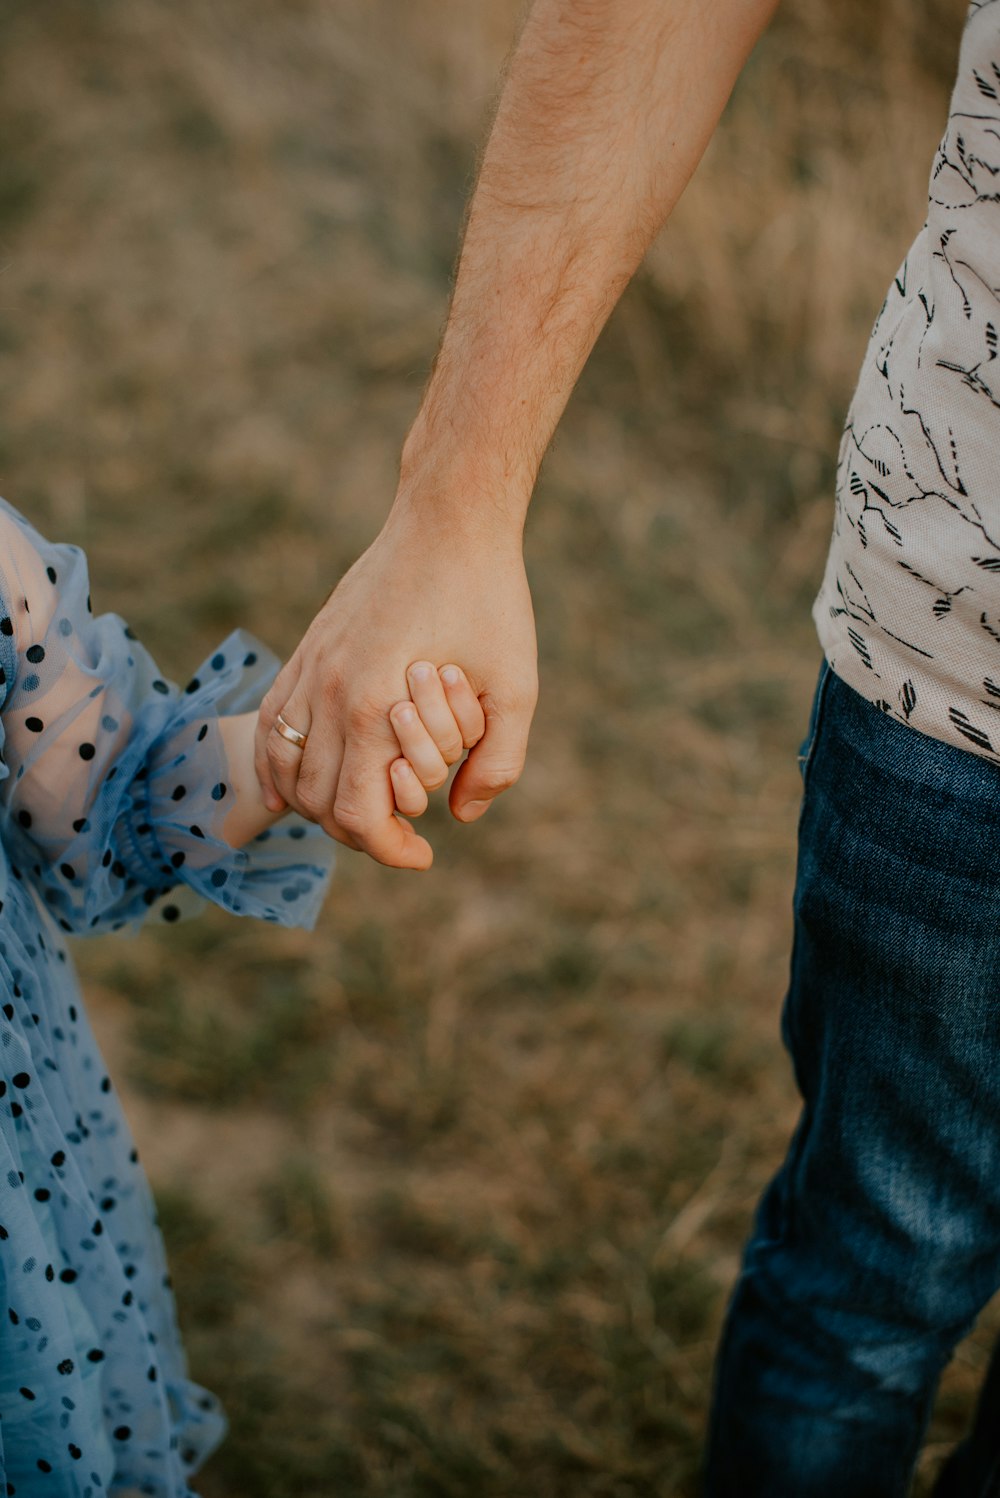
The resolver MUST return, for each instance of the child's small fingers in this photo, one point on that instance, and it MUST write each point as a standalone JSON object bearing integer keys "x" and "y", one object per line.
{"x": 435, "y": 712}
{"x": 416, "y": 745}
{"x": 409, "y": 794}
{"x": 465, "y": 705}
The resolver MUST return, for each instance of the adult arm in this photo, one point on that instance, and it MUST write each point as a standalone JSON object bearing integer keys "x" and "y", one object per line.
{"x": 606, "y": 109}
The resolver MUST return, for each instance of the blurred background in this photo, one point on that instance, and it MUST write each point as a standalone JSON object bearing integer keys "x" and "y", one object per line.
{"x": 454, "y": 1189}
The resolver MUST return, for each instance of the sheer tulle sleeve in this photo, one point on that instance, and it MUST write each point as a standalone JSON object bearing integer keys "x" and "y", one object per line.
{"x": 114, "y": 783}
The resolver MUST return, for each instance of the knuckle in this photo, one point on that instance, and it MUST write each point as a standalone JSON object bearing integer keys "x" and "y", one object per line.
{"x": 452, "y": 750}
{"x": 349, "y": 816}
{"x": 276, "y": 752}
{"x": 362, "y": 717}
{"x": 310, "y": 801}
{"x": 499, "y": 778}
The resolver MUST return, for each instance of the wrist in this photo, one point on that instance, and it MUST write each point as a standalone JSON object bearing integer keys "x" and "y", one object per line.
{"x": 462, "y": 485}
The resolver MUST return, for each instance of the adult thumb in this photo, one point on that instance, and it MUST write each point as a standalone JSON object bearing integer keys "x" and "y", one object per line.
{"x": 492, "y": 766}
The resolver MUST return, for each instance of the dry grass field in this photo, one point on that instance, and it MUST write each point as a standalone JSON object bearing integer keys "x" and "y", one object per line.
{"x": 454, "y": 1188}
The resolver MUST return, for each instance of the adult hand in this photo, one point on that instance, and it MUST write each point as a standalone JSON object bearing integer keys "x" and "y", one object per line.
{"x": 423, "y": 590}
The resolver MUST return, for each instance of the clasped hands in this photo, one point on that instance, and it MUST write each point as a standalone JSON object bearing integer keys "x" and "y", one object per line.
{"x": 441, "y": 719}
{"x": 426, "y": 594}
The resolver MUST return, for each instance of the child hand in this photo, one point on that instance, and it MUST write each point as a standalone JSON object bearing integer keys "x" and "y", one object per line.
{"x": 434, "y": 729}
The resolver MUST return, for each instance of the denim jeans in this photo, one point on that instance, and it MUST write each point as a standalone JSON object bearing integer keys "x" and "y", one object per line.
{"x": 878, "y": 1240}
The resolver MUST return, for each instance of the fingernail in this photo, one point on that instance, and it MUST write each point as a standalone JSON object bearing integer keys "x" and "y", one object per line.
{"x": 401, "y": 767}
{"x": 272, "y": 801}
{"x": 450, "y": 675}
{"x": 473, "y": 809}
{"x": 421, "y": 671}
{"x": 404, "y": 714}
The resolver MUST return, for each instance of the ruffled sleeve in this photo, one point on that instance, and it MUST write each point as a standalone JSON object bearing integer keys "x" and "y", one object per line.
{"x": 114, "y": 782}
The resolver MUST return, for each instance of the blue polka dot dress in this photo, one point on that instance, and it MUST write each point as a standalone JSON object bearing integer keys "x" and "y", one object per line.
{"x": 113, "y": 790}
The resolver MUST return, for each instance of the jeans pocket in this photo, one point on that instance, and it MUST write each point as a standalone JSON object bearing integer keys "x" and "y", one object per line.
{"x": 808, "y": 745}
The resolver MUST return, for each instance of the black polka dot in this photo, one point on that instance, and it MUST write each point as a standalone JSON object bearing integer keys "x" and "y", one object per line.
{"x": 81, "y": 825}
{"x": 42, "y": 1193}
{"x": 34, "y": 725}
{"x": 177, "y": 859}
{"x": 66, "y": 1366}
{"x": 219, "y": 878}
{"x": 24, "y": 817}
{"x": 28, "y": 1393}
{"x": 193, "y": 685}
{"x": 35, "y": 654}
{"x": 202, "y": 732}
{"x": 171, "y": 913}
{"x": 218, "y": 661}
{"x": 50, "y": 573}
{"x": 218, "y": 791}
{"x": 6, "y": 627}
{"x": 67, "y": 870}
{"x": 21, "y": 1078}
{"x": 95, "y": 1355}
{"x": 250, "y": 659}
{"x": 74, "y": 1451}
{"x": 196, "y": 831}
{"x": 87, "y": 751}
{"x": 178, "y": 793}
{"x": 122, "y": 1432}
{"x": 58, "y": 1157}
{"x": 43, "y": 1465}
{"x": 161, "y": 687}
{"x": 30, "y": 683}
{"x": 67, "y": 1276}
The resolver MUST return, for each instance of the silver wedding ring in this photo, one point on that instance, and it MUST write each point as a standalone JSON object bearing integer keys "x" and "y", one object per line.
{"x": 291, "y": 734}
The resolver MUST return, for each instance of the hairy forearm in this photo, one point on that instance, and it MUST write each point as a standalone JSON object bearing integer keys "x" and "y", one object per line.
{"x": 605, "y": 112}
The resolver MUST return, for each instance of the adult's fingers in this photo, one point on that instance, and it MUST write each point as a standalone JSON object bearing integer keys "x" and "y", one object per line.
{"x": 496, "y": 762}
{"x": 283, "y": 757}
{"x": 306, "y": 778}
{"x": 364, "y": 807}
{"x": 278, "y": 693}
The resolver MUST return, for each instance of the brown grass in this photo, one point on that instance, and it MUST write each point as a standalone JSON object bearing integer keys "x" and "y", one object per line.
{"x": 455, "y": 1188}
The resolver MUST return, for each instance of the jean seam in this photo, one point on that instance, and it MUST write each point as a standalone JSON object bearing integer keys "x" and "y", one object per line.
{"x": 805, "y": 756}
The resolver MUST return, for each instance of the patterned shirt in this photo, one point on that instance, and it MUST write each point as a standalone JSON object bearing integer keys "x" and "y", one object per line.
{"x": 909, "y": 609}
